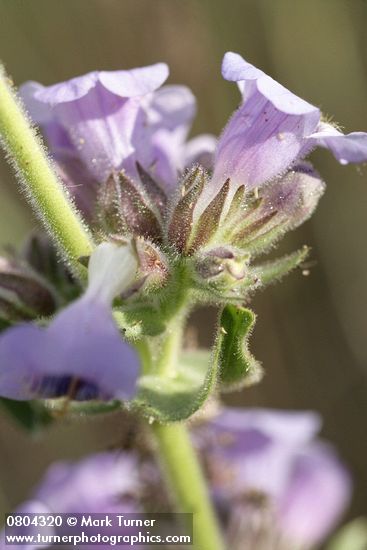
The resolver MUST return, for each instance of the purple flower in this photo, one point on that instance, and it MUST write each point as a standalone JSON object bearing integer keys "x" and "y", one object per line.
{"x": 105, "y": 482}
{"x": 270, "y": 132}
{"x": 102, "y": 483}
{"x": 81, "y": 353}
{"x": 270, "y": 474}
{"x": 106, "y": 121}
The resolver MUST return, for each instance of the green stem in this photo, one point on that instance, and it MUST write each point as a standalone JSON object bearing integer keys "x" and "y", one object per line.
{"x": 187, "y": 483}
{"x": 143, "y": 349}
{"x": 44, "y": 190}
{"x": 175, "y": 310}
{"x": 179, "y": 461}
{"x": 170, "y": 348}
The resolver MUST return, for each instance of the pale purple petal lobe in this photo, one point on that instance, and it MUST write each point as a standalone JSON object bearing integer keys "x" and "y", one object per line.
{"x": 345, "y": 148}
{"x": 82, "y": 343}
{"x": 200, "y": 150}
{"x": 273, "y": 458}
{"x": 129, "y": 83}
{"x": 318, "y": 483}
{"x": 235, "y": 68}
{"x": 81, "y": 353}
{"x": 265, "y": 136}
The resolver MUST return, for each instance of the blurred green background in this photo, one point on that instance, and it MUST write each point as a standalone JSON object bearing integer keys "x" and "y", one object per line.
{"x": 311, "y": 331}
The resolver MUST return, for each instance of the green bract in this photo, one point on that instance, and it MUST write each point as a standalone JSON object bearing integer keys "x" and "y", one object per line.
{"x": 237, "y": 367}
{"x": 176, "y": 397}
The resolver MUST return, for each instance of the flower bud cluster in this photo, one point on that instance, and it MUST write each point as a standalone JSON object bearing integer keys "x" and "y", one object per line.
{"x": 220, "y": 243}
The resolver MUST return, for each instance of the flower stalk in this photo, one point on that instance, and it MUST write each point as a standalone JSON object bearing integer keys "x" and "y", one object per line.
{"x": 42, "y": 187}
{"x": 178, "y": 457}
{"x": 184, "y": 476}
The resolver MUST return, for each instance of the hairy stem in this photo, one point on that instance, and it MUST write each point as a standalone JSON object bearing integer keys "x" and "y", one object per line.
{"x": 176, "y": 310}
{"x": 185, "y": 479}
{"x": 43, "y": 189}
{"x": 179, "y": 461}
{"x": 170, "y": 349}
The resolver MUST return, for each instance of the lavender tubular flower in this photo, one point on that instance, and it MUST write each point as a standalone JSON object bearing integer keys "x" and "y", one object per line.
{"x": 272, "y": 479}
{"x": 102, "y": 483}
{"x": 99, "y": 483}
{"x": 81, "y": 353}
{"x": 270, "y": 132}
{"x": 107, "y": 121}
{"x": 89, "y": 121}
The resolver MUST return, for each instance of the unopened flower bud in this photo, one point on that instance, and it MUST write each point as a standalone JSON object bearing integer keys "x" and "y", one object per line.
{"x": 124, "y": 207}
{"x": 40, "y": 253}
{"x": 181, "y": 223}
{"x": 277, "y": 208}
{"x": 153, "y": 266}
{"x": 224, "y": 268}
{"x": 23, "y": 294}
{"x": 208, "y": 222}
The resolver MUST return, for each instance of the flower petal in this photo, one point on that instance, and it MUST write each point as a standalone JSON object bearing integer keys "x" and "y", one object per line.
{"x": 28, "y": 507}
{"x": 271, "y": 457}
{"x": 345, "y": 148}
{"x": 264, "y": 137}
{"x": 165, "y": 160}
{"x": 100, "y": 127}
{"x": 78, "y": 179}
{"x": 171, "y": 107}
{"x": 267, "y": 133}
{"x": 161, "y": 131}
{"x": 23, "y": 349}
{"x": 200, "y": 150}
{"x": 318, "y": 483}
{"x": 95, "y": 483}
{"x": 135, "y": 82}
{"x": 291, "y": 427}
{"x": 256, "y": 446}
{"x": 128, "y": 83}
{"x": 235, "y": 68}
{"x": 95, "y": 114}
{"x": 40, "y": 112}
{"x": 82, "y": 343}
{"x": 291, "y": 199}
{"x": 90, "y": 348}
{"x": 111, "y": 270}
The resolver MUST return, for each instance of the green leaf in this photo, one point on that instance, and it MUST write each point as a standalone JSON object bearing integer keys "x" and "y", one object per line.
{"x": 168, "y": 399}
{"x": 31, "y": 415}
{"x": 352, "y": 536}
{"x": 273, "y": 271}
{"x": 237, "y": 367}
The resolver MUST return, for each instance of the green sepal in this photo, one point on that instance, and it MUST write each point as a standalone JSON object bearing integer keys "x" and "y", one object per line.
{"x": 168, "y": 399}
{"x": 273, "y": 271}
{"x": 237, "y": 367}
{"x": 259, "y": 244}
{"x": 207, "y": 224}
{"x": 31, "y": 415}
